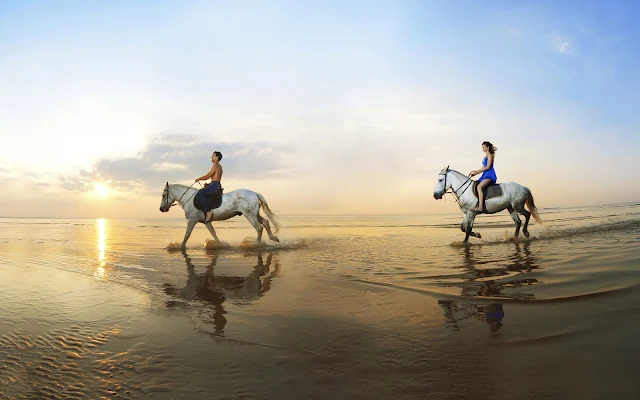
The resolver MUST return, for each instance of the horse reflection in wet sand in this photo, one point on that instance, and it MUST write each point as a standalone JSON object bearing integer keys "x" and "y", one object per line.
{"x": 491, "y": 281}
{"x": 215, "y": 288}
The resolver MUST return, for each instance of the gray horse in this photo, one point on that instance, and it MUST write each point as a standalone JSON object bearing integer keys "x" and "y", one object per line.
{"x": 238, "y": 202}
{"x": 510, "y": 196}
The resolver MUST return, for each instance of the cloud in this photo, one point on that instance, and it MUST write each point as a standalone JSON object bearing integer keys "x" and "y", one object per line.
{"x": 17, "y": 177}
{"x": 5, "y": 182}
{"x": 33, "y": 175}
{"x": 77, "y": 183}
{"x": 176, "y": 157}
{"x": 562, "y": 45}
{"x": 166, "y": 166}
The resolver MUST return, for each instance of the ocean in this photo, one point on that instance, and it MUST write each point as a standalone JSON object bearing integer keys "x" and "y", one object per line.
{"x": 353, "y": 307}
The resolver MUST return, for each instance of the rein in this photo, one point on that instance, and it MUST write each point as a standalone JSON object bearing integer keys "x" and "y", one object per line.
{"x": 185, "y": 192}
{"x": 455, "y": 193}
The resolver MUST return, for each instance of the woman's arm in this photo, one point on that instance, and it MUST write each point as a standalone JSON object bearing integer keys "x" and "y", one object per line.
{"x": 488, "y": 167}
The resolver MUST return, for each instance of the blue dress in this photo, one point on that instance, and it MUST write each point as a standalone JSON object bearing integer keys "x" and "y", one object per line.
{"x": 488, "y": 174}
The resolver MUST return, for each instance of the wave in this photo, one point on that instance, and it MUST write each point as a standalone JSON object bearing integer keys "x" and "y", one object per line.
{"x": 557, "y": 232}
{"x": 441, "y": 292}
{"x": 552, "y": 336}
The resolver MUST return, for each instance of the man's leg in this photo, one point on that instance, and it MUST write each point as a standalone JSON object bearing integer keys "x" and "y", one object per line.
{"x": 202, "y": 200}
{"x": 215, "y": 186}
{"x": 212, "y": 188}
{"x": 204, "y": 204}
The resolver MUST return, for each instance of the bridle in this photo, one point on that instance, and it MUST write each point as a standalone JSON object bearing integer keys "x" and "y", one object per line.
{"x": 166, "y": 197}
{"x": 166, "y": 189}
{"x": 465, "y": 185}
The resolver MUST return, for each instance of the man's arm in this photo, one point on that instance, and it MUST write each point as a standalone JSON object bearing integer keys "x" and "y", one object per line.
{"x": 207, "y": 176}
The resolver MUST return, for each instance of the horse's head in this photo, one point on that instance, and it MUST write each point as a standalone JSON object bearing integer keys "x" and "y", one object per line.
{"x": 167, "y": 199}
{"x": 442, "y": 185}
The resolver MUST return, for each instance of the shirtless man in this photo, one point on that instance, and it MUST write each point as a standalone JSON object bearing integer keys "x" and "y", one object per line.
{"x": 216, "y": 175}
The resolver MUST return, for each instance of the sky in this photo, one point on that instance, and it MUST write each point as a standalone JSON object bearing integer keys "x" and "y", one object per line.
{"x": 332, "y": 107}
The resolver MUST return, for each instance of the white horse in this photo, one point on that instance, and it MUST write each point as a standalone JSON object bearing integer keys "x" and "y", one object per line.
{"x": 513, "y": 199}
{"x": 238, "y": 202}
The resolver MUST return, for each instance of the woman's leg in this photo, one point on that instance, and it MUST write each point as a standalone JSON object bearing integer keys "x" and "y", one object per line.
{"x": 481, "y": 186}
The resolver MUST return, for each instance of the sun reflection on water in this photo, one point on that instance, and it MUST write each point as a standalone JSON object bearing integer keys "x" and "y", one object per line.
{"x": 102, "y": 228}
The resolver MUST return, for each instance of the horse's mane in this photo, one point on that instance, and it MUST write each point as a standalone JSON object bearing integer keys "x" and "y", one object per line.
{"x": 186, "y": 188}
{"x": 453, "y": 170}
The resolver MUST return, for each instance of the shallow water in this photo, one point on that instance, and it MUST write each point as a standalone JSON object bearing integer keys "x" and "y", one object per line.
{"x": 342, "y": 307}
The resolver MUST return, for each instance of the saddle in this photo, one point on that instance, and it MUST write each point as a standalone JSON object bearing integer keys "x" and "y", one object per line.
{"x": 214, "y": 200}
{"x": 490, "y": 191}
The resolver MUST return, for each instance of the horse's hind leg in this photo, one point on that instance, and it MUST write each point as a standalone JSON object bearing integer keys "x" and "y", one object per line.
{"x": 253, "y": 220}
{"x": 520, "y": 208}
{"x": 516, "y": 219}
{"x": 265, "y": 223}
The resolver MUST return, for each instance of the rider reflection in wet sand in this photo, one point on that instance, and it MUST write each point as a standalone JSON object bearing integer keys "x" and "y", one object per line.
{"x": 456, "y": 311}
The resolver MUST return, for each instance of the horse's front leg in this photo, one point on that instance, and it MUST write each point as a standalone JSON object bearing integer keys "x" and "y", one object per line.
{"x": 190, "y": 225}
{"x": 212, "y": 231}
{"x": 467, "y": 227}
{"x": 467, "y": 233}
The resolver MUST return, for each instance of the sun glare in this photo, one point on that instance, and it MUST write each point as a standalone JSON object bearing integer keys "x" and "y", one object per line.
{"x": 102, "y": 228}
{"x": 102, "y": 190}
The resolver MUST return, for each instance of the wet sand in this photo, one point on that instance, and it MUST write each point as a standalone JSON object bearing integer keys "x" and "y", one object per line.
{"x": 357, "y": 314}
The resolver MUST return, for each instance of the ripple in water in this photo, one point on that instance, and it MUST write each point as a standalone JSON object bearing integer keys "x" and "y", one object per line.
{"x": 70, "y": 363}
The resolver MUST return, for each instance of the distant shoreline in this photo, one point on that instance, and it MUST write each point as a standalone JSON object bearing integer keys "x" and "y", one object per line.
{"x": 542, "y": 209}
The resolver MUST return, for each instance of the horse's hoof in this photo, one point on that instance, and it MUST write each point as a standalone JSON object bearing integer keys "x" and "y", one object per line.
{"x": 526, "y": 234}
{"x": 479, "y": 236}
{"x": 275, "y": 239}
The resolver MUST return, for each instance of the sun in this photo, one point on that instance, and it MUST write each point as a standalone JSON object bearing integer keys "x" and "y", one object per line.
{"x": 101, "y": 189}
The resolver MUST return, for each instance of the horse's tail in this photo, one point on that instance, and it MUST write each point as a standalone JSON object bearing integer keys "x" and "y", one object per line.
{"x": 272, "y": 217}
{"x": 532, "y": 207}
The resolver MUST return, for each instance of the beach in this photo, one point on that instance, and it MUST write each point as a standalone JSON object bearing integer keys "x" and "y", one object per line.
{"x": 344, "y": 307}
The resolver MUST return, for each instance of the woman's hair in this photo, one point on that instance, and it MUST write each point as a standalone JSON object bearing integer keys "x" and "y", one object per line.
{"x": 492, "y": 148}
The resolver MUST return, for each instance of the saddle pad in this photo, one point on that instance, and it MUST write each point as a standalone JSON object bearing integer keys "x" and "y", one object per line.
{"x": 490, "y": 191}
